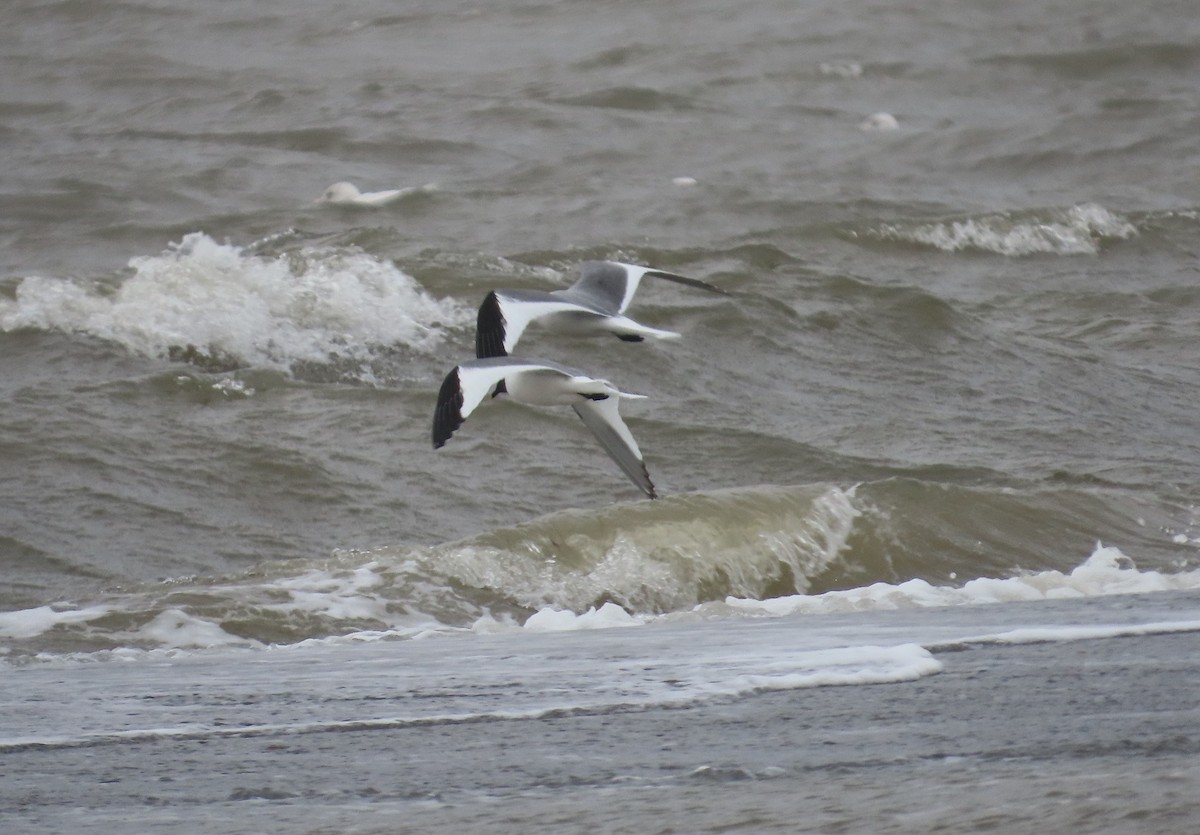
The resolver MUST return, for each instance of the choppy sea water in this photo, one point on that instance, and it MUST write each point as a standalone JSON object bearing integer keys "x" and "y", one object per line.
{"x": 957, "y": 364}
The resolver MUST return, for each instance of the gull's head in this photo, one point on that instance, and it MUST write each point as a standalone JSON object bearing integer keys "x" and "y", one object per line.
{"x": 340, "y": 193}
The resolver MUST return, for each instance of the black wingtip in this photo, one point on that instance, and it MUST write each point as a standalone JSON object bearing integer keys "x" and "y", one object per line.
{"x": 690, "y": 282}
{"x": 447, "y": 415}
{"x": 651, "y": 492}
{"x": 489, "y": 328}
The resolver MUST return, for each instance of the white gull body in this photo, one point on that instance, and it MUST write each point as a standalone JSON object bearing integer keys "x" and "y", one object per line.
{"x": 542, "y": 383}
{"x": 595, "y": 303}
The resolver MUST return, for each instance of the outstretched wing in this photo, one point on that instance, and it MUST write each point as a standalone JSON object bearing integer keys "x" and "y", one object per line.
{"x": 604, "y": 420}
{"x": 690, "y": 282}
{"x": 490, "y": 327}
{"x": 608, "y": 284}
{"x": 448, "y": 414}
{"x": 464, "y": 388}
{"x": 613, "y": 284}
{"x": 504, "y": 315}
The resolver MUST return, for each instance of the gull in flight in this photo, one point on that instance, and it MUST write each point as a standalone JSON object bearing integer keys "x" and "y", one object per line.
{"x": 347, "y": 194}
{"x": 542, "y": 383}
{"x": 594, "y": 304}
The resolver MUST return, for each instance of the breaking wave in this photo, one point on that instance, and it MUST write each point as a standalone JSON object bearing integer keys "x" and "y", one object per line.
{"x": 219, "y": 305}
{"x": 756, "y": 552}
{"x": 1077, "y": 230}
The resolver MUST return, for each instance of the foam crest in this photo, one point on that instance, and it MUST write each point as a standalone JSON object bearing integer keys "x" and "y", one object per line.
{"x": 1107, "y": 571}
{"x": 217, "y": 300}
{"x": 27, "y": 623}
{"x": 416, "y": 595}
{"x": 563, "y": 620}
{"x": 176, "y": 628}
{"x": 1078, "y": 230}
{"x": 337, "y": 596}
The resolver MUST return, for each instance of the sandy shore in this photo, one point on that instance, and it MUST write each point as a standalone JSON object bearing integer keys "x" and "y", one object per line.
{"x": 1090, "y": 735}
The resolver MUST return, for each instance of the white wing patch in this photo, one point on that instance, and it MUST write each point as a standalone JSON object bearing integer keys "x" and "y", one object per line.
{"x": 519, "y": 313}
{"x": 477, "y": 382}
{"x": 633, "y": 278}
{"x": 537, "y": 382}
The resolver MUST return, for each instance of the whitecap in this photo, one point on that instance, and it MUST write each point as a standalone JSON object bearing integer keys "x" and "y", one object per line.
{"x": 1077, "y": 230}
{"x": 315, "y": 306}
{"x": 29, "y": 623}
{"x": 1106, "y": 572}
{"x": 551, "y": 619}
{"x": 841, "y": 69}
{"x": 176, "y": 628}
{"x": 879, "y": 122}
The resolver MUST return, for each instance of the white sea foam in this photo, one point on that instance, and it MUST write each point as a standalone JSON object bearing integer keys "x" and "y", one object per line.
{"x": 841, "y": 69}
{"x": 838, "y": 667}
{"x": 563, "y": 620}
{"x": 335, "y": 595}
{"x": 314, "y": 306}
{"x": 394, "y": 686}
{"x": 228, "y": 386}
{"x": 1054, "y": 634}
{"x": 176, "y": 628}
{"x": 1107, "y": 571}
{"x": 28, "y": 623}
{"x": 1078, "y": 230}
{"x": 346, "y": 597}
{"x": 879, "y": 122}
{"x": 550, "y": 682}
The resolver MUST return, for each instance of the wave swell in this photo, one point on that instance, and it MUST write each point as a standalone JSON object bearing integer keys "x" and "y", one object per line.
{"x": 765, "y": 551}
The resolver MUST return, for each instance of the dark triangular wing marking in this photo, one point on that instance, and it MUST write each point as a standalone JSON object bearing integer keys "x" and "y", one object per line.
{"x": 603, "y": 419}
{"x": 489, "y": 328}
{"x": 447, "y": 416}
{"x": 504, "y": 315}
{"x": 471, "y": 383}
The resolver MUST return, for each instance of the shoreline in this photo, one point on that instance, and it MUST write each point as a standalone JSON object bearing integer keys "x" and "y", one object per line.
{"x": 1095, "y": 734}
